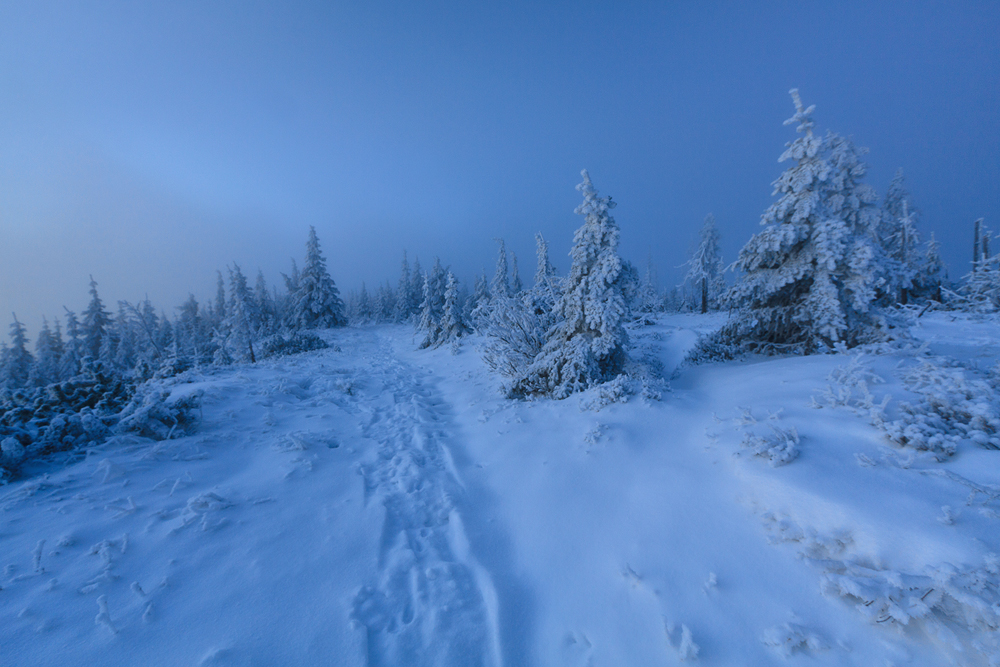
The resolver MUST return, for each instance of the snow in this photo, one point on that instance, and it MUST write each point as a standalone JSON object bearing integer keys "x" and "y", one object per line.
{"x": 372, "y": 503}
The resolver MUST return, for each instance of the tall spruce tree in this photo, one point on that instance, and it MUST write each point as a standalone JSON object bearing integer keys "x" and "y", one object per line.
{"x": 809, "y": 276}
{"x": 705, "y": 267}
{"x": 95, "y": 323}
{"x": 317, "y": 302}
{"x": 587, "y": 345}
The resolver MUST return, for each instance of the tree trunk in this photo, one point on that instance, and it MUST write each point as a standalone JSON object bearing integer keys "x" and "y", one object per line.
{"x": 704, "y": 295}
{"x": 975, "y": 243}
{"x": 902, "y": 295}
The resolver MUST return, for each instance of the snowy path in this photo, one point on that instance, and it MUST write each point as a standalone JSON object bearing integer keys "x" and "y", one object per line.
{"x": 431, "y": 603}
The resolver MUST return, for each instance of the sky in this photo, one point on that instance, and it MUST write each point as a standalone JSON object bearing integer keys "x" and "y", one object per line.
{"x": 151, "y": 144}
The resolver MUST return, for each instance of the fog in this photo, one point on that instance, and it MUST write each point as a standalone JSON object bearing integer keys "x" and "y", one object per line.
{"x": 150, "y": 146}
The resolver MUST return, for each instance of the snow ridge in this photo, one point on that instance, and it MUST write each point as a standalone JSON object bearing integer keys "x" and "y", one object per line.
{"x": 432, "y": 603}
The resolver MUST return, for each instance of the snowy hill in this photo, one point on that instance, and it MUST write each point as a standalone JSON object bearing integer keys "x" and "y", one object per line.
{"x": 372, "y": 504}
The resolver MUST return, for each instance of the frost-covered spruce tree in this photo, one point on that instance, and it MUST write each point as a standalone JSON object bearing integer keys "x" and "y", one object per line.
{"x": 69, "y": 365}
{"x": 705, "y": 267}
{"x": 48, "y": 354}
{"x": 898, "y": 240}
{"x": 17, "y": 361}
{"x": 808, "y": 280}
{"x": 452, "y": 323}
{"x": 405, "y": 303}
{"x": 477, "y": 306}
{"x": 515, "y": 275}
{"x": 933, "y": 273}
{"x": 587, "y": 345}
{"x": 95, "y": 322}
{"x": 501, "y": 280}
{"x": 243, "y": 326}
{"x": 317, "y": 302}
{"x": 432, "y": 308}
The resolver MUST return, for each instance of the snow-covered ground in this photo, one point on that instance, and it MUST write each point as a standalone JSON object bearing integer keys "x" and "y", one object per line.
{"x": 373, "y": 504}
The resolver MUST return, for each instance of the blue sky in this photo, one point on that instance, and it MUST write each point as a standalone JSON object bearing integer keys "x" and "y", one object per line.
{"x": 151, "y": 144}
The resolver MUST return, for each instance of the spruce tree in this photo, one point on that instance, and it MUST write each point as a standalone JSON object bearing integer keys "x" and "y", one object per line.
{"x": 317, "y": 302}
{"x": 809, "y": 276}
{"x": 48, "y": 354}
{"x": 500, "y": 287}
{"x": 95, "y": 322}
{"x": 705, "y": 267}
{"x": 17, "y": 362}
{"x": 432, "y": 307}
{"x": 452, "y": 323}
{"x": 587, "y": 345}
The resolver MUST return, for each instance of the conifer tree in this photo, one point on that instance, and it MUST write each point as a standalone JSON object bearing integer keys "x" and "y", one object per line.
{"x": 48, "y": 353}
{"x": 95, "y": 322}
{"x": 500, "y": 287}
{"x": 243, "y": 321}
{"x": 515, "y": 276}
{"x": 705, "y": 267}
{"x": 317, "y": 302}
{"x": 452, "y": 323}
{"x": 478, "y": 305}
{"x": 808, "y": 280}
{"x": 588, "y": 343}
{"x": 432, "y": 308}
{"x": 17, "y": 362}
{"x": 404, "y": 301}
{"x": 69, "y": 365}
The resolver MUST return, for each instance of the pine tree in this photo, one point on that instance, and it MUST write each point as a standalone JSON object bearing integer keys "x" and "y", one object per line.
{"x": 478, "y": 305}
{"x": 933, "y": 273}
{"x": 243, "y": 324}
{"x": 317, "y": 302}
{"x": 452, "y": 323}
{"x": 95, "y": 322}
{"x": 17, "y": 362}
{"x": 48, "y": 353}
{"x": 432, "y": 307}
{"x": 705, "y": 267}
{"x": 404, "y": 294}
{"x": 69, "y": 365}
{"x": 588, "y": 343}
{"x": 898, "y": 241}
{"x": 515, "y": 276}
{"x": 808, "y": 280}
{"x": 501, "y": 280}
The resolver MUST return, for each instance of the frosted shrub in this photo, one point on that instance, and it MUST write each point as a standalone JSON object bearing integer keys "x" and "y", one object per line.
{"x": 952, "y": 408}
{"x": 779, "y": 447}
{"x": 153, "y": 414}
{"x": 293, "y": 343}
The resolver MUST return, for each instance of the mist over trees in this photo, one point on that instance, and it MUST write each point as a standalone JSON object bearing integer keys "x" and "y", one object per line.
{"x": 832, "y": 268}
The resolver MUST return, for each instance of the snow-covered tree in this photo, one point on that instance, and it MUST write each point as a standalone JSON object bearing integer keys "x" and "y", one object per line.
{"x": 48, "y": 354}
{"x": 477, "y": 306}
{"x": 809, "y": 276}
{"x": 515, "y": 276}
{"x": 705, "y": 267}
{"x": 452, "y": 323}
{"x": 501, "y": 279}
{"x": 73, "y": 353}
{"x": 95, "y": 322}
{"x": 898, "y": 240}
{"x": 17, "y": 360}
{"x": 432, "y": 307}
{"x": 243, "y": 323}
{"x": 650, "y": 300}
{"x": 933, "y": 273}
{"x": 406, "y": 303}
{"x": 317, "y": 302}
{"x": 587, "y": 345}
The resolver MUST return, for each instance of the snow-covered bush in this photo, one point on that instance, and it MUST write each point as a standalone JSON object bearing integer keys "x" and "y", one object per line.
{"x": 779, "y": 447}
{"x": 154, "y": 414}
{"x": 952, "y": 408}
{"x": 291, "y": 343}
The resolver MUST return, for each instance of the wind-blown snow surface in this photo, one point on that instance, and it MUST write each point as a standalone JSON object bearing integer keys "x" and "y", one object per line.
{"x": 376, "y": 505}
